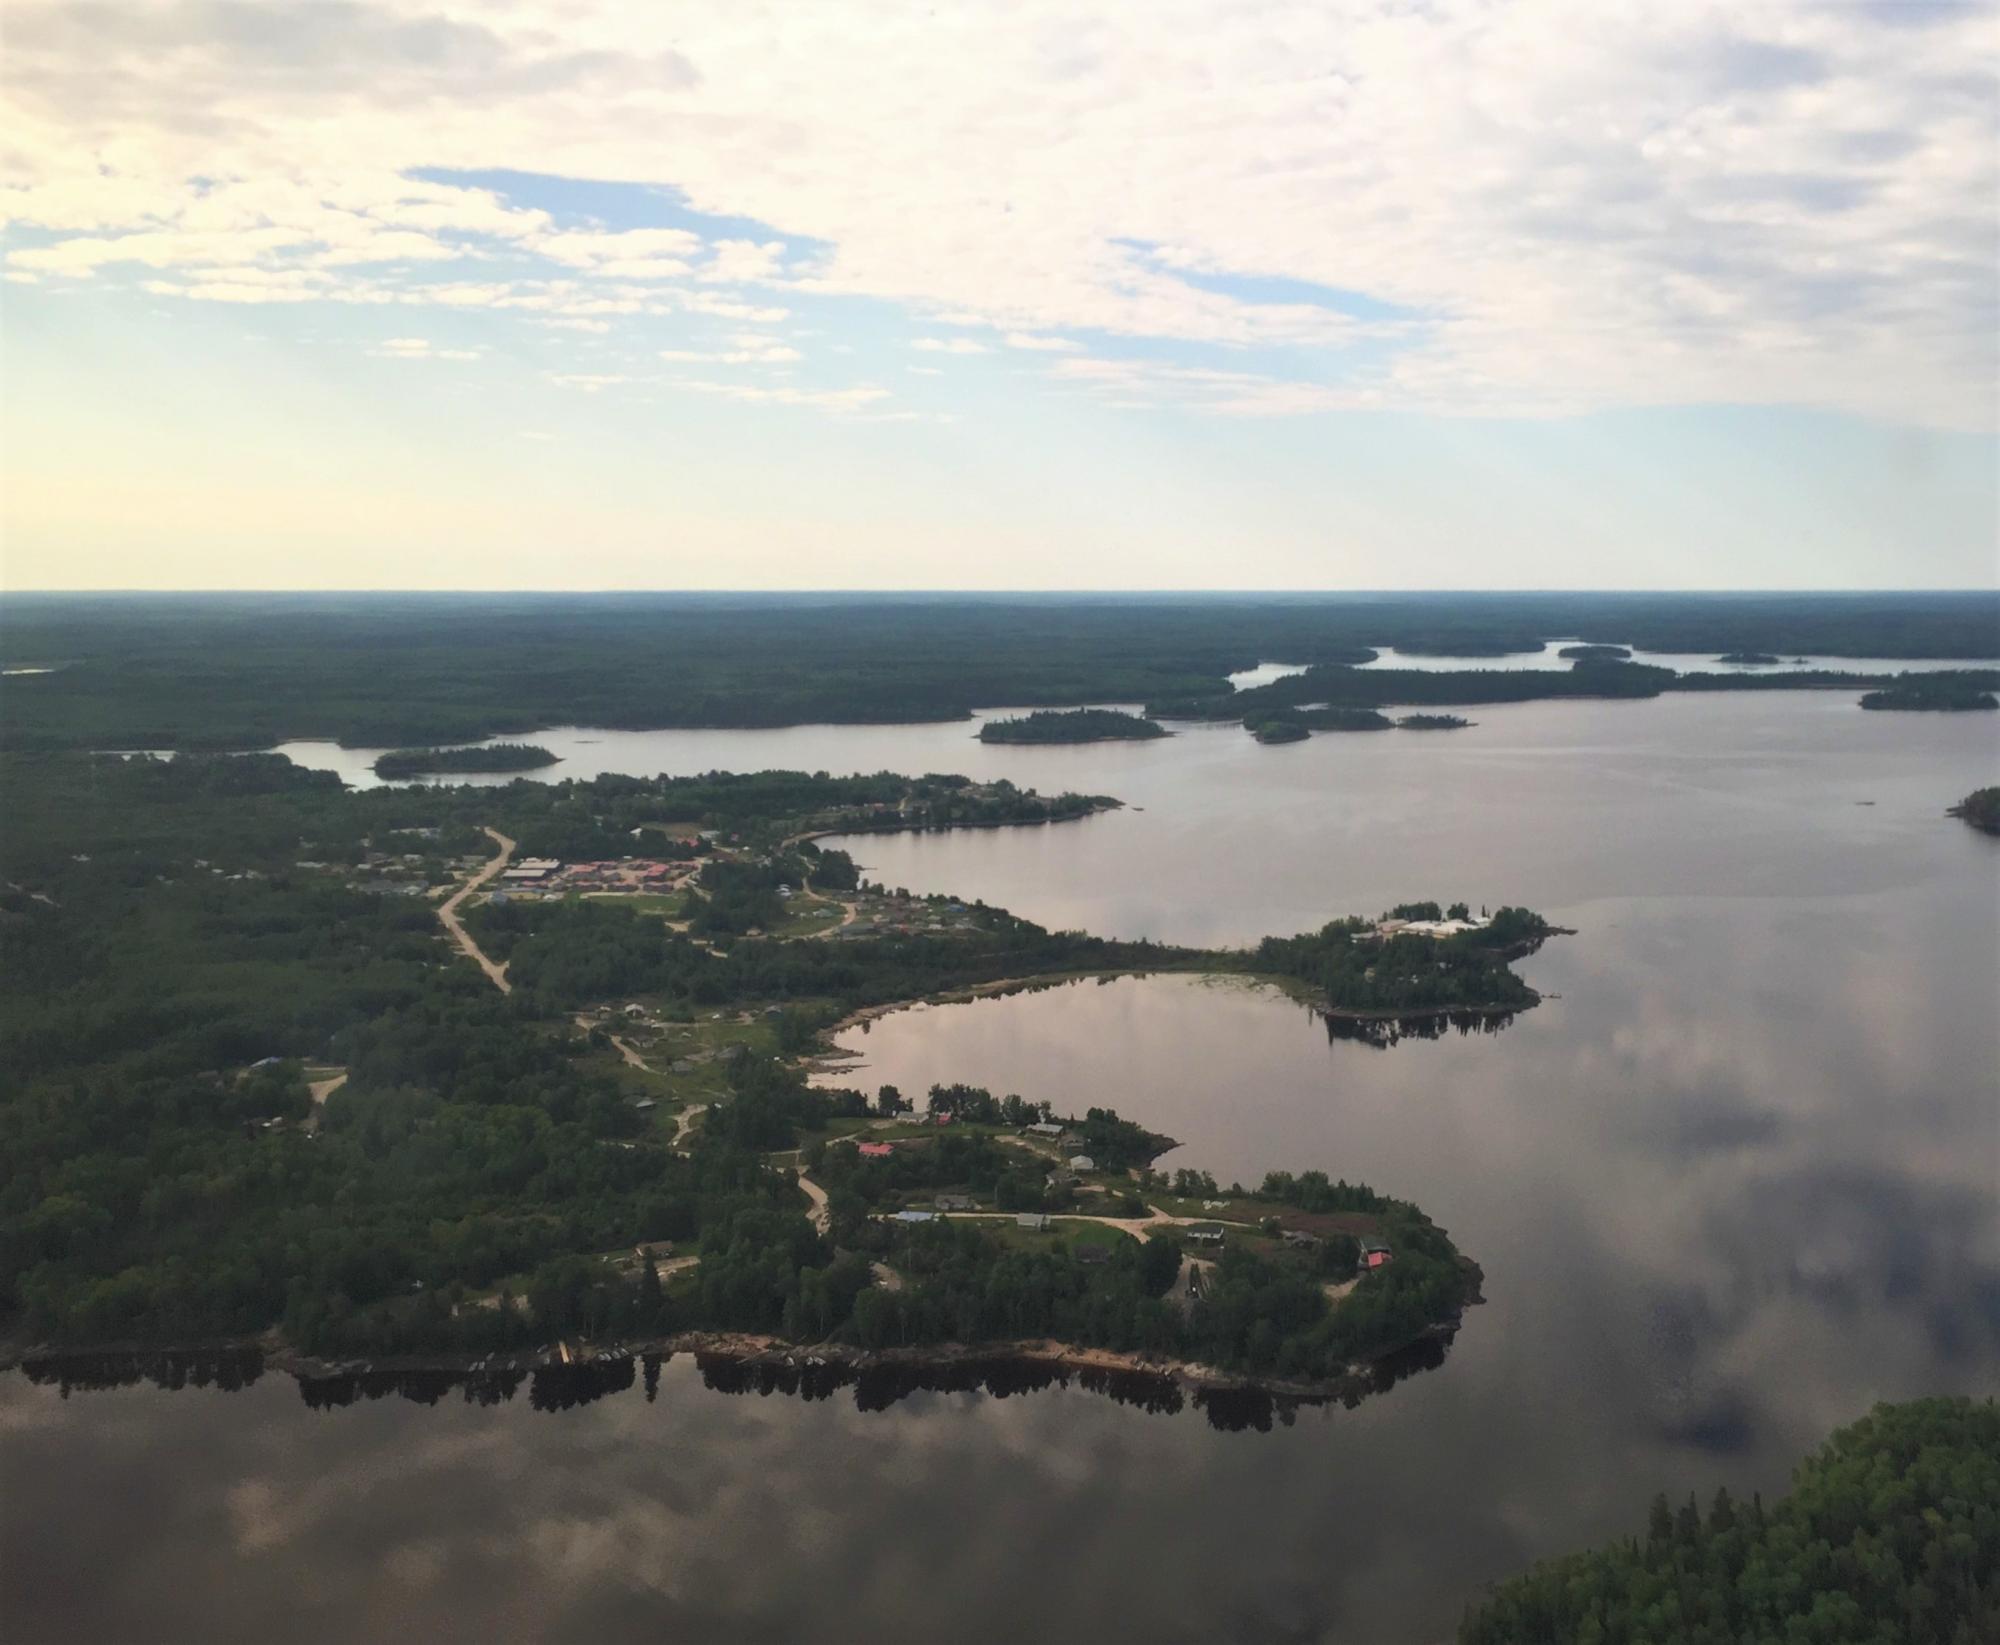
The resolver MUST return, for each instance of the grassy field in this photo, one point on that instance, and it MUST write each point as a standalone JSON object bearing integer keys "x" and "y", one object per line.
{"x": 1068, "y": 1231}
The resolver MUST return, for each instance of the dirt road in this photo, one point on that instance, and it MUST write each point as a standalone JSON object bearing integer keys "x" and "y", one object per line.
{"x": 321, "y": 1090}
{"x": 448, "y": 913}
{"x": 822, "y": 1218}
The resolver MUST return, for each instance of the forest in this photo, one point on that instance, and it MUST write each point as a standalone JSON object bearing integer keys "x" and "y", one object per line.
{"x": 1890, "y": 1533}
{"x": 249, "y": 671}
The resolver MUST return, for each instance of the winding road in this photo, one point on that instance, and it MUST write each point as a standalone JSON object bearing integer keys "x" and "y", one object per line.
{"x": 448, "y": 913}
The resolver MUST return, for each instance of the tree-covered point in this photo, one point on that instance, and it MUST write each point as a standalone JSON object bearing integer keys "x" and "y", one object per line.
{"x": 1980, "y": 808}
{"x": 1749, "y": 659}
{"x": 249, "y": 671}
{"x": 400, "y": 763}
{"x": 1891, "y": 1533}
{"x": 1596, "y": 653}
{"x": 1373, "y": 968}
{"x": 1077, "y": 725}
{"x": 1939, "y": 696}
{"x": 1433, "y": 722}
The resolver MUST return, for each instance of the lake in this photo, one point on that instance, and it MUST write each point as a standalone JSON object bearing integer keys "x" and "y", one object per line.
{"x": 1731, "y": 1183}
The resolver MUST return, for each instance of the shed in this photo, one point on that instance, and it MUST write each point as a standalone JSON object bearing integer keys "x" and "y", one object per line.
{"x": 1035, "y": 1221}
{"x": 1081, "y": 1163}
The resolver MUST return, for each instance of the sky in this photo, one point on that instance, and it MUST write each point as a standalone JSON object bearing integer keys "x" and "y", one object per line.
{"x": 1184, "y": 294}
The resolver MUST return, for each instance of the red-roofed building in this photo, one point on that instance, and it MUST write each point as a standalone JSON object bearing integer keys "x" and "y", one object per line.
{"x": 876, "y": 1150}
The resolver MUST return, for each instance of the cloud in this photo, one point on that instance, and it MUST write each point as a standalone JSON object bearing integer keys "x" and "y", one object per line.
{"x": 1495, "y": 211}
{"x": 825, "y": 399}
{"x": 419, "y": 348}
{"x": 950, "y": 345}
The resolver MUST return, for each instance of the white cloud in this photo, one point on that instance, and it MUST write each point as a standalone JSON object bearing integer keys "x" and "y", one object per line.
{"x": 745, "y": 260}
{"x": 1046, "y": 345}
{"x": 419, "y": 348}
{"x": 950, "y": 345}
{"x": 824, "y": 399}
{"x": 1532, "y": 208}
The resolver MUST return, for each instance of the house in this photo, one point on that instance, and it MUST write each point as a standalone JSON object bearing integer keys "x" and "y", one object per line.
{"x": 1374, "y": 1254}
{"x": 956, "y": 1202}
{"x": 1081, "y": 1163}
{"x": 876, "y": 1150}
{"x": 1205, "y": 1236}
{"x": 1045, "y": 1128}
{"x": 915, "y": 1216}
{"x": 1034, "y": 1221}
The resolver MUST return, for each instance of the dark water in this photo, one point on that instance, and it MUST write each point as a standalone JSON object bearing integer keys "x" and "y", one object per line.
{"x": 1736, "y": 1183}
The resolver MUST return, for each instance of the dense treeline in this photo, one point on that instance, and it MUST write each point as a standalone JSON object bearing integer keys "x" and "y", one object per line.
{"x": 1353, "y": 692}
{"x": 1951, "y": 694}
{"x": 1891, "y": 1533}
{"x": 1077, "y": 725}
{"x": 1980, "y": 808}
{"x": 417, "y": 762}
{"x": 234, "y": 671}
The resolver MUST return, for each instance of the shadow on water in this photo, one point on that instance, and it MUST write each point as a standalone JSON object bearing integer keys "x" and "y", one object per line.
{"x": 1383, "y": 1032}
{"x": 875, "y": 1387}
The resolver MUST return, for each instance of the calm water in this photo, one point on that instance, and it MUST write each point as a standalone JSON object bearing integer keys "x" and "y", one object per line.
{"x": 1735, "y": 1183}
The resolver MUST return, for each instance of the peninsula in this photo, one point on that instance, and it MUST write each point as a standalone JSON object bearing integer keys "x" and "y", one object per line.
{"x": 612, "y": 1003}
{"x": 1980, "y": 809}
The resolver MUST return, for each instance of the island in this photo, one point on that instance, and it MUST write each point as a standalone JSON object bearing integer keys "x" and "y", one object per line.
{"x": 1980, "y": 809}
{"x": 1596, "y": 653}
{"x": 1887, "y": 1533}
{"x": 400, "y": 763}
{"x": 1940, "y": 696}
{"x": 1277, "y": 729}
{"x": 569, "y": 1106}
{"x": 1076, "y": 725}
{"x": 1432, "y": 722}
{"x": 1750, "y": 659}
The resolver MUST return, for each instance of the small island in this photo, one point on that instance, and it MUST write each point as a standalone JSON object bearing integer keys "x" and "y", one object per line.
{"x": 1277, "y": 730}
{"x": 1749, "y": 659}
{"x": 1597, "y": 653}
{"x": 1980, "y": 809}
{"x": 1918, "y": 696}
{"x": 399, "y": 763}
{"x": 1075, "y": 725}
{"x": 1296, "y": 724}
{"x": 1432, "y": 722}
